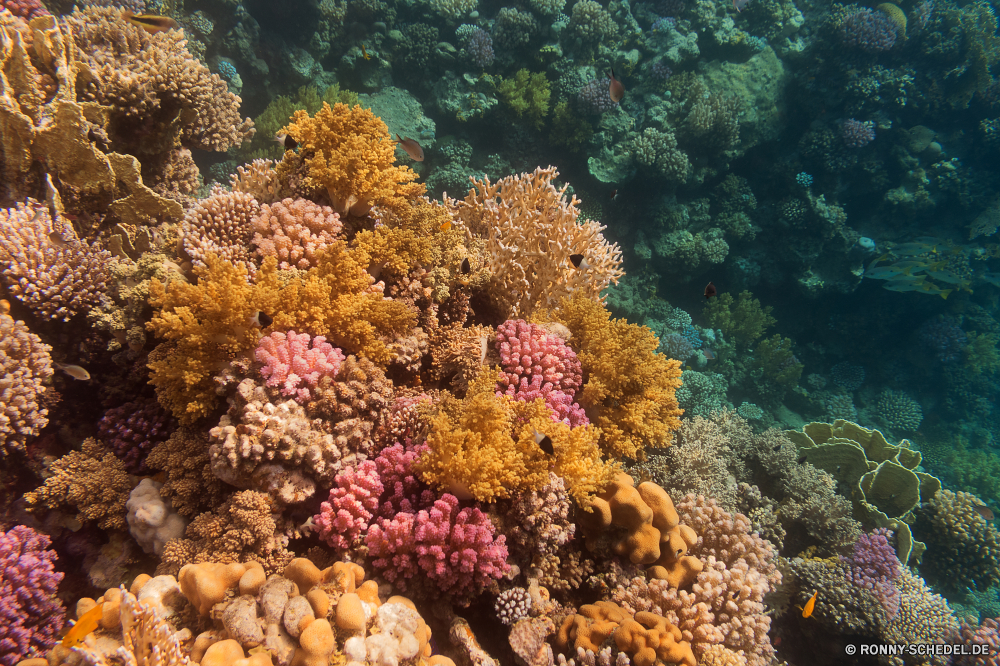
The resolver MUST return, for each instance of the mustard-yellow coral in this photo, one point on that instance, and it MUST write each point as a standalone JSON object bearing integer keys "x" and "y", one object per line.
{"x": 629, "y": 391}
{"x": 207, "y": 324}
{"x": 484, "y": 447}
{"x": 349, "y": 154}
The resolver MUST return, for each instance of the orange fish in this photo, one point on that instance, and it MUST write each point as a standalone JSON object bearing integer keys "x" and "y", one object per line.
{"x": 153, "y": 23}
{"x": 365, "y": 53}
{"x": 412, "y": 148}
{"x": 86, "y": 624}
{"x": 615, "y": 88}
{"x": 807, "y": 610}
{"x": 984, "y": 511}
{"x": 445, "y": 226}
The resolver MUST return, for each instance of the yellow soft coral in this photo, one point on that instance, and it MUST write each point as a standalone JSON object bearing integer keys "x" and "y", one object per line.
{"x": 629, "y": 391}
{"x": 484, "y": 447}
{"x": 349, "y": 154}
{"x": 207, "y": 324}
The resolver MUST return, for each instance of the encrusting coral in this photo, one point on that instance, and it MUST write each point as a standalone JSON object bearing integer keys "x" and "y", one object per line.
{"x": 350, "y": 156}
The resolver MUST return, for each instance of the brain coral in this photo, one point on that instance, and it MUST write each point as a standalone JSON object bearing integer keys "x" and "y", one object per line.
{"x": 350, "y": 155}
{"x": 25, "y": 365}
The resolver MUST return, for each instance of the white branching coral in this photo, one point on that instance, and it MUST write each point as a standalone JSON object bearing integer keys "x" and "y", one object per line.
{"x": 532, "y": 235}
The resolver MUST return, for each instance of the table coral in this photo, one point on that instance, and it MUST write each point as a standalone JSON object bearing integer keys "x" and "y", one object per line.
{"x": 25, "y": 366}
{"x": 630, "y": 389}
{"x": 32, "y": 613}
{"x": 293, "y": 363}
{"x": 294, "y": 230}
{"x": 92, "y": 480}
{"x": 45, "y": 264}
{"x": 457, "y": 550}
{"x": 484, "y": 447}
{"x": 531, "y": 231}
{"x": 350, "y": 156}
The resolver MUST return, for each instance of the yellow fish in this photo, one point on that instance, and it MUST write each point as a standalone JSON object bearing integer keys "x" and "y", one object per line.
{"x": 83, "y": 626}
{"x": 445, "y": 226}
{"x": 807, "y": 610}
{"x": 365, "y": 53}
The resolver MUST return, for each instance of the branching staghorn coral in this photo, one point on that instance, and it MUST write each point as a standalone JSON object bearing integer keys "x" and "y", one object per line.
{"x": 348, "y": 153}
{"x": 629, "y": 388}
{"x": 207, "y": 324}
{"x": 484, "y": 447}
{"x": 531, "y": 232}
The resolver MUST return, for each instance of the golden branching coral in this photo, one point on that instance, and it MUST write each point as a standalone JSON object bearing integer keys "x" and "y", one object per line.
{"x": 484, "y": 447}
{"x": 207, "y": 324}
{"x": 629, "y": 390}
{"x": 348, "y": 153}
{"x": 531, "y": 232}
{"x": 92, "y": 480}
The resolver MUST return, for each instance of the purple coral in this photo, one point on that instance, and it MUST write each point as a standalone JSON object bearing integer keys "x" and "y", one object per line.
{"x": 133, "y": 429}
{"x": 291, "y": 363}
{"x": 457, "y": 550}
{"x": 26, "y": 9}
{"x": 595, "y": 97}
{"x": 874, "y": 566}
{"x": 943, "y": 336}
{"x": 31, "y": 615}
{"x": 537, "y": 364}
{"x": 870, "y": 31}
{"x": 660, "y": 70}
{"x": 352, "y": 504}
{"x": 480, "y": 48}
{"x": 857, "y": 134}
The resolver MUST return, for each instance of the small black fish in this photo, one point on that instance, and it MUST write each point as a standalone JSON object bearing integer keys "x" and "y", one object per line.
{"x": 710, "y": 290}
{"x": 579, "y": 261}
{"x": 466, "y": 266}
{"x": 544, "y": 442}
{"x": 777, "y": 448}
{"x": 802, "y": 459}
{"x": 614, "y": 194}
{"x": 261, "y": 319}
{"x": 286, "y": 142}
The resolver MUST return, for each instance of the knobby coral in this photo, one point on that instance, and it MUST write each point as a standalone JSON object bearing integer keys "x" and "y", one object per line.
{"x": 25, "y": 365}
{"x": 31, "y": 613}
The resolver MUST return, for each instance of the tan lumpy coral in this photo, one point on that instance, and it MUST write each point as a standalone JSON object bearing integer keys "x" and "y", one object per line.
{"x": 92, "y": 480}
{"x": 348, "y": 153}
{"x": 25, "y": 366}
{"x": 294, "y": 231}
{"x": 221, "y": 224}
{"x": 531, "y": 232}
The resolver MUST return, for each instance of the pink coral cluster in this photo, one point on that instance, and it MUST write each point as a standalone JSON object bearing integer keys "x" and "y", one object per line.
{"x": 456, "y": 549}
{"x": 537, "y": 364}
{"x": 294, "y": 231}
{"x": 351, "y": 505}
{"x": 404, "y": 491}
{"x": 291, "y": 363}
{"x": 26, "y": 9}
{"x": 987, "y": 633}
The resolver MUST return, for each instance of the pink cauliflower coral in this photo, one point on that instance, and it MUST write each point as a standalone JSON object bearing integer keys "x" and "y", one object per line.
{"x": 290, "y": 362}
{"x": 294, "y": 231}
{"x": 457, "y": 550}
{"x": 538, "y": 364}
{"x": 404, "y": 492}
{"x": 351, "y": 505}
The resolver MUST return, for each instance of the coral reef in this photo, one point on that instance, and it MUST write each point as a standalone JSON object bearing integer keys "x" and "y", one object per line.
{"x": 25, "y": 366}
{"x": 32, "y": 613}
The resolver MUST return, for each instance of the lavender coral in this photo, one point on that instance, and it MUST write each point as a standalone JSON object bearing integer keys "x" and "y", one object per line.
{"x": 294, "y": 231}
{"x": 133, "y": 429}
{"x": 32, "y": 615}
{"x": 868, "y": 30}
{"x": 457, "y": 550}
{"x": 873, "y": 565}
{"x": 46, "y": 266}
{"x": 25, "y": 365}
{"x": 857, "y": 134}
{"x": 294, "y": 364}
